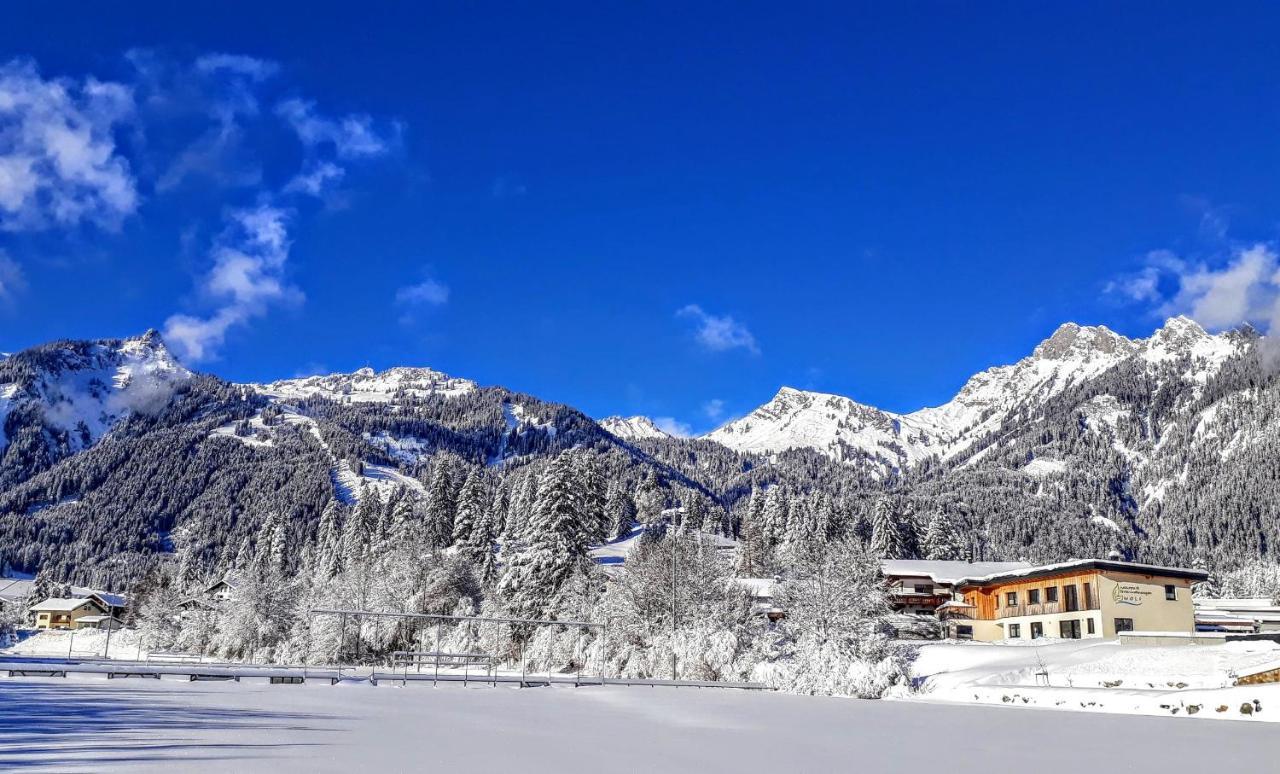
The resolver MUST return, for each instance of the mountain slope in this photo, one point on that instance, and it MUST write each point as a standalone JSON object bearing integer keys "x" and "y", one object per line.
{"x": 848, "y": 431}
{"x": 1160, "y": 448}
{"x": 63, "y": 397}
{"x": 633, "y": 428}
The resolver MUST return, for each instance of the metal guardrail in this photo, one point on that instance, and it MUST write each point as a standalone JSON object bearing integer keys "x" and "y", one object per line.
{"x": 297, "y": 675}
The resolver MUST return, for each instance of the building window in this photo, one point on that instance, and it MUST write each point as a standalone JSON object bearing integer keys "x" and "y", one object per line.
{"x": 1037, "y": 630}
{"x": 1051, "y": 594}
{"x": 1069, "y": 630}
{"x": 1089, "y": 624}
{"x": 1011, "y": 599}
{"x": 964, "y": 632}
{"x": 1033, "y": 596}
{"x": 923, "y": 589}
{"x": 1170, "y": 592}
{"x": 1015, "y": 631}
{"x": 1124, "y": 625}
{"x": 1070, "y": 598}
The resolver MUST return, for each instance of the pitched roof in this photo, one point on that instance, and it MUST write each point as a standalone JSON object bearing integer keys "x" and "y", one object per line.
{"x": 947, "y": 572}
{"x": 62, "y": 604}
{"x": 1085, "y": 564}
{"x": 18, "y": 589}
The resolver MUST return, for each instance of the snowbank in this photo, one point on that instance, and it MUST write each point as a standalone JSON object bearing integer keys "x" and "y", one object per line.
{"x": 1100, "y": 675}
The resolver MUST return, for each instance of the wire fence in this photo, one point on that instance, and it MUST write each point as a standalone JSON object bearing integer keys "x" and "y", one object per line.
{"x": 449, "y": 644}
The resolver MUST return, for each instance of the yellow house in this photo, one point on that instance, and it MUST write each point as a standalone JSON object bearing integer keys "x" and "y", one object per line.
{"x": 1073, "y": 600}
{"x": 69, "y": 613}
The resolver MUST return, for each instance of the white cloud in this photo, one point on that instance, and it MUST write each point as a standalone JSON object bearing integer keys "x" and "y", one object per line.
{"x": 673, "y": 426}
{"x": 12, "y": 280}
{"x": 428, "y": 292}
{"x": 1246, "y": 288}
{"x": 237, "y": 64}
{"x": 246, "y": 280}
{"x": 1243, "y": 290}
{"x": 717, "y": 333}
{"x": 351, "y": 137}
{"x": 315, "y": 178}
{"x": 714, "y": 409}
{"x": 59, "y": 164}
{"x": 221, "y": 91}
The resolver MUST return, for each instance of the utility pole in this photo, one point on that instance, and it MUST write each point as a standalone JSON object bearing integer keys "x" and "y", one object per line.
{"x": 674, "y": 608}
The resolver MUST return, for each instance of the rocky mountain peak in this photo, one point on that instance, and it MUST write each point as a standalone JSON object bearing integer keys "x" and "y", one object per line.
{"x": 633, "y": 428}
{"x": 1071, "y": 342}
{"x": 1180, "y": 331}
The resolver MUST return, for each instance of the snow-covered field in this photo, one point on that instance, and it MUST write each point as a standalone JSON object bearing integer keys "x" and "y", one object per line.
{"x": 1102, "y": 676}
{"x": 133, "y": 725}
{"x": 85, "y": 643}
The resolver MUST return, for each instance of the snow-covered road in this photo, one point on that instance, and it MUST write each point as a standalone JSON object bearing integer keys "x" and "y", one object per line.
{"x": 134, "y": 725}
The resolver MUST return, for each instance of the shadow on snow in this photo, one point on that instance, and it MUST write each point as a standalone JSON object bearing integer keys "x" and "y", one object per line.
{"x": 58, "y": 724}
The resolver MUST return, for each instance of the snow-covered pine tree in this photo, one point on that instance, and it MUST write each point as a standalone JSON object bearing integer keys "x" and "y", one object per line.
{"x": 473, "y": 501}
{"x": 750, "y": 560}
{"x": 593, "y": 497}
{"x": 650, "y": 500}
{"x": 272, "y": 546}
{"x": 942, "y": 540}
{"x": 620, "y": 510}
{"x": 498, "y": 507}
{"x": 441, "y": 506}
{"x": 358, "y": 531}
{"x": 405, "y": 525}
{"x": 522, "y": 505}
{"x": 888, "y": 533}
{"x": 695, "y": 510}
{"x": 556, "y": 544}
{"x": 773, "y": 521}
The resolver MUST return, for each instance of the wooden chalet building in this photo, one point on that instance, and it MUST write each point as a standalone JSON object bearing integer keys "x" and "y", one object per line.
{"x": 920, "y": 586}
{"x": 1071, "y": 600}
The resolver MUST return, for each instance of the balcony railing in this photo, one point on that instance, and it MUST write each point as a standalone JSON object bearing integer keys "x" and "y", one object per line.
{"x": 1015, "y": 611}
{"x": 1045, "y": 608}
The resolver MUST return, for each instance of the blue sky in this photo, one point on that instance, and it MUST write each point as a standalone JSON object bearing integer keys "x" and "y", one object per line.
{"x": 671, "y": 210}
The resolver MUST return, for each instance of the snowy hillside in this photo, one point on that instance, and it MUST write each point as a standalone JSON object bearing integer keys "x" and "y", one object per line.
{"x": 846, "y": 430}
{"x": 80, "y": 390}
{"x": 368, "y": 386}
{"x": 633, "y": 428}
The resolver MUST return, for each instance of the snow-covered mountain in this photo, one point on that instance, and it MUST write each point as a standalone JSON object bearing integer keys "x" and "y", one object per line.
{"x": 108, "y": 447}
{"x": 79, "y": 391}
{"x": 847, "y": 430}
{"x": 633, "y": 428}
{"x": 369, "y": 386}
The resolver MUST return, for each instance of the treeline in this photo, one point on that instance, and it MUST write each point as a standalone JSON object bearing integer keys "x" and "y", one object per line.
{"x": 516, "y": 544}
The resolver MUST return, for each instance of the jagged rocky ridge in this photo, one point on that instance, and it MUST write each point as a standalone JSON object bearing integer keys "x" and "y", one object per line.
{"x": 112, "y": 453}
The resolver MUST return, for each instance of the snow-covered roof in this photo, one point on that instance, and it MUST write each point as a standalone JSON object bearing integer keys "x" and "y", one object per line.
{"x": 946, "y": 572}
{"x": 1213, "y": 615}
{"x": 62, "y": 604}
{"x": 1082, "y": 564}
{"x": 1261, "y": 605}
{"x": 761, "y": 588}
{"x": 18, "y": 589}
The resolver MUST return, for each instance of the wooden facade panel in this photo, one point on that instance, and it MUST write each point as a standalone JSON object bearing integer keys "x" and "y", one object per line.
{"x": 1269, "y": 676}
{"x": 987, "y": 600}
